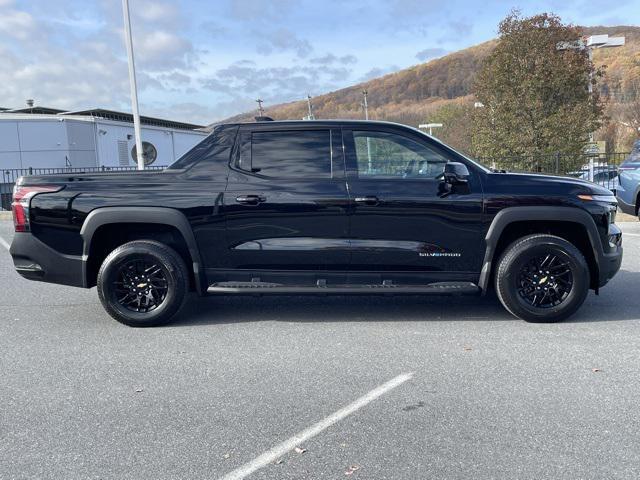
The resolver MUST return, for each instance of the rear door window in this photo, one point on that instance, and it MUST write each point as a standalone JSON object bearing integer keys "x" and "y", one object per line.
{"x": 289, "y": 154}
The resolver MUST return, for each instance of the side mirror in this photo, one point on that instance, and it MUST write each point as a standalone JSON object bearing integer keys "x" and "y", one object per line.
{"x": 456, "y": 173}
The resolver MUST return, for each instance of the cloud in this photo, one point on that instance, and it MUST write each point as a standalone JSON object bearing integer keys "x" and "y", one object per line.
{"x": 429, "y": 53}
{"x": 244, "y": 81}
{"x": 330, "y": 59}
{"x": 379, "y": 72}
{"x": 282, "y": 40}
{"x": 260, "y": 10}
{"x": 417, "y": 8}
{"x": 17, "y": 24}
{"x": 156, "y": 12}
{"x": 161, "y": 49}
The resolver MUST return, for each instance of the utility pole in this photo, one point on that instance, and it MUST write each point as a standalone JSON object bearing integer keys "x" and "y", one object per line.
{"x": 365, "y": 105}
{"x": 134, "y": 87}
{"x": 311, "y": 116}
{"x": 260, "y": 109}
{"x": 588, "y": 44}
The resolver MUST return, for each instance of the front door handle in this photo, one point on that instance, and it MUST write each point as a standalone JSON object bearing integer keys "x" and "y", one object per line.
{"x": 369, "y": 200}
{"x": 250, "y": 199}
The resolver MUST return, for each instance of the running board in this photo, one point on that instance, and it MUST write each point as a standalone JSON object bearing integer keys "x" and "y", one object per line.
{"x": 264, "y": 288}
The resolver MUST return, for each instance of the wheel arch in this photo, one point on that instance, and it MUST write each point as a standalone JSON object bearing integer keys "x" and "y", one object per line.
{"x": 152, "y": 216}
{"x": 551, "y": 216}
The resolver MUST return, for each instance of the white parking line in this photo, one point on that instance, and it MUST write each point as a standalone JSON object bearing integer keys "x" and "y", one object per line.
{"x": 4, "y": 243}
{"x": 630, "y": 234}
{"x": 276, "y": 452}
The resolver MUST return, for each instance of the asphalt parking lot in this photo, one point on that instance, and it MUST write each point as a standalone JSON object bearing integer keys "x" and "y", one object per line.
{"x": 368, "y": 387}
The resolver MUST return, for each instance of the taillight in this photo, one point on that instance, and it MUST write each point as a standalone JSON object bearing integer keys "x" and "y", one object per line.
{"x": 21, "y": 199}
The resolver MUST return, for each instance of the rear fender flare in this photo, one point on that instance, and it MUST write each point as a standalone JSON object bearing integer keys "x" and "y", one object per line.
{"x": 155, "y": 215}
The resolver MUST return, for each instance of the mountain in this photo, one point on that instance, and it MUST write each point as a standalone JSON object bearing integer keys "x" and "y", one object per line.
{"x": 413, "y": 95}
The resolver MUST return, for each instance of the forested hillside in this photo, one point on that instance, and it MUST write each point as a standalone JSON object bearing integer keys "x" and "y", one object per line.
{"x": 442, "y": 89}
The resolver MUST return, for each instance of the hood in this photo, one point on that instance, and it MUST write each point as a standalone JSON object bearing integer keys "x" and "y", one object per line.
{"x": 551, "y": 182}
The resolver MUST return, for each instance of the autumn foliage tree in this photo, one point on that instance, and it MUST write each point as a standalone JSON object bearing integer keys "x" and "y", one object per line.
{"x": 535, "y": 96}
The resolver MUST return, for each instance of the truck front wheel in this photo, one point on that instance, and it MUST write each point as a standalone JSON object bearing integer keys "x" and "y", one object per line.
{"x": 542, "y": 278}
{"x": 142, "y": 283}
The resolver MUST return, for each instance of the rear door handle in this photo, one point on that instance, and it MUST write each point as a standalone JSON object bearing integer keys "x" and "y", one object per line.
{"x": 369, "y": 200}
{"x": 250, "y": 199}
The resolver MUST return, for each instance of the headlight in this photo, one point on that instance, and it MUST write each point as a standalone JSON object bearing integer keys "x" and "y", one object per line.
{"x": 598, "y": 198}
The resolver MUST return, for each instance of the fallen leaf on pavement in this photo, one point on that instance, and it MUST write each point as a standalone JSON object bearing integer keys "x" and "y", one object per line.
{"x": 300, "y": 450}
{"x": 279, "y": 461}
{"x": 467, "y": 349}
{"x": 226, "y": 455}
{"x": 595, "y": 370}
{"x": 138, "y": 390}
{"x": 352, "y": 469}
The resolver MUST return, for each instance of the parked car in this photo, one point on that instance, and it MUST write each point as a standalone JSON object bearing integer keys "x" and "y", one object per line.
{"x": 607, "y": 176}
{"x": 632, "y": 162}
{"x": 322, "y": 207}
{"x": 628, "y": 192}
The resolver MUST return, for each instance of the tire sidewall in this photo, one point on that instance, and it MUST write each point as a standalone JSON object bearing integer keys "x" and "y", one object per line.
{"x": 108, "y": 274}
{"x": 510, "y": 269}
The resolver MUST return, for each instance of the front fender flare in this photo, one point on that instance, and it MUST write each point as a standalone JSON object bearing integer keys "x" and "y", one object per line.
{"x": 520, "y": 214}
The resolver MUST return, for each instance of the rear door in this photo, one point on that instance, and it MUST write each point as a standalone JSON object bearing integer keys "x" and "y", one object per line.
{"x": 405, "y": 219}
{"x": 286, "y": 201}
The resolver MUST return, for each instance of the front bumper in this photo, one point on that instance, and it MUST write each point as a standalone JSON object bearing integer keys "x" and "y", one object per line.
{"x": 610, "y": 262}
{"x": 625, "y": 207}
{"x": 35, "y": 260}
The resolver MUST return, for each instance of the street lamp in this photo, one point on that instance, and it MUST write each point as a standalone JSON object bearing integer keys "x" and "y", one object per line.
{"x": 430, "y": 126}
{"x": 588, "y": 44}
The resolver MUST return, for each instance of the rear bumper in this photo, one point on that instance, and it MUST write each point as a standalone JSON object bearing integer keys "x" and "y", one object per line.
{"x": 35, "y": 260}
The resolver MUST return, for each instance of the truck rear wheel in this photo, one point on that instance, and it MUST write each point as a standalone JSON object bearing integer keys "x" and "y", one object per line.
{"x": 542, "y": 278}
{"x": 142, "y": 283}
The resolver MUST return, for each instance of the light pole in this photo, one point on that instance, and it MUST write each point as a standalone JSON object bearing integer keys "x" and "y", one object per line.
{"x": 588, "y": 44}
{"x": 430, "y": 126}
{"x": 133, "y": 83}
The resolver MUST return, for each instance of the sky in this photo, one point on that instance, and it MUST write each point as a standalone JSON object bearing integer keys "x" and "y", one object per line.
{"x": 203, "y": 61}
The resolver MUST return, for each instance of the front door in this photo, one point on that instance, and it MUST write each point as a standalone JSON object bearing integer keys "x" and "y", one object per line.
{"x": 286, "y": 202}
{"x": 404, "y": 218}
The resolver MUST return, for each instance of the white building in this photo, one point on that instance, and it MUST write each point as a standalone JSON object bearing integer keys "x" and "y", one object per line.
{"x": 40, "y": 137}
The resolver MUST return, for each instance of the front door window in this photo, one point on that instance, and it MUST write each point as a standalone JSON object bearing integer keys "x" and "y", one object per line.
{"x": 390, "y": 156}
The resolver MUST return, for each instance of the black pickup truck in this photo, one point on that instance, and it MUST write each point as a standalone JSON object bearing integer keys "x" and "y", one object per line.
{"x": 318, "y": 207}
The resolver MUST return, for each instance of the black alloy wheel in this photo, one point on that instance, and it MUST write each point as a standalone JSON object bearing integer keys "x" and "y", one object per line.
{"x": 542, "y": 278}
{"x": 143, "y": 283}
{"x": 545, "y": 281}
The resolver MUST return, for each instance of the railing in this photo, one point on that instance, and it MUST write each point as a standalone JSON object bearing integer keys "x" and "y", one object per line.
{"x": 8, "y": 176}
{"x": 598, "y": 168}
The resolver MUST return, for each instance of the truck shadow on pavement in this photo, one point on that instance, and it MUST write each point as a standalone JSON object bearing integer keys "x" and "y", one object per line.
{"x": 617, "y": 301}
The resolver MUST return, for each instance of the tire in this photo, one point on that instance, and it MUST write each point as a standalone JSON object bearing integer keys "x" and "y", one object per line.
{"x": 519, "y": 283}
{"x": 152, "y": 298}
